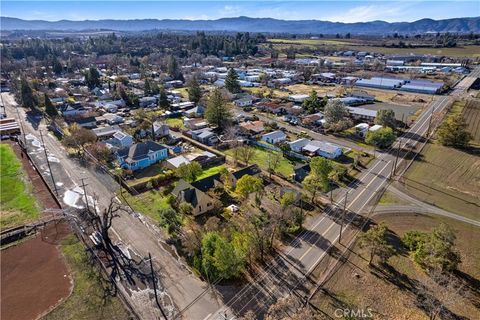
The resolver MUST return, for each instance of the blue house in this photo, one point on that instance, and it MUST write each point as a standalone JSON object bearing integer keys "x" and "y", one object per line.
{"x": 141, "y": 155}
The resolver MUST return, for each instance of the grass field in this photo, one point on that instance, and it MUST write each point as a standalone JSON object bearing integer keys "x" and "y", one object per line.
{"x": 175, "y": 122}
{"x": 285, "y": 167}
{"x": 391, "y": 292}
{"x": 210, "y": 172}
{"x": 147, "y": 203}
{"x": 471, "y": 114}
{"x": 18, "y": 205}
{"x": 352, "y": 44}
{"x": 86, "y": 300}
{"x": 448, "y": 178}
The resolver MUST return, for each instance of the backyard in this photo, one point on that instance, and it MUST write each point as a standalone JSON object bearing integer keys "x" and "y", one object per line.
{"x": 260, "y": 158}
{"x": 18, "y": 204}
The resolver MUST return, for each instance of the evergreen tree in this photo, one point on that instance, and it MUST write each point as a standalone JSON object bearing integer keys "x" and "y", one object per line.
{"x": 92, "y": 78}
{"x": 56, "y": 66}
{"x": 147, "y": 89}
{"x": 26, "y": 94}
{"x": 50, "y": 108}
{"x": 312, "y": 104}
{"x": 217, "y": 112}
{"x": 231, "y": 81}
{"x": 194, "y": 90}
{"x": 381, "y": 138}
{"x": 163, "y": 101}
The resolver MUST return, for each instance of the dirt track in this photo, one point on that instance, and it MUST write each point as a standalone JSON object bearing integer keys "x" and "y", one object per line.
{"x": 34, "y": 276}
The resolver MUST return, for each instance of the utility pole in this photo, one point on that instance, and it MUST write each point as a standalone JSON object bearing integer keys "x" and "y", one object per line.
{"x": 21, "y": 125}
{"x": 155, "y": 287}
{"x": 48, "y": 163}
{"x": 430, "y": 123}
{"x": 343, "y": 216}
{"x": 85, "y": 192}
{"x": 396, "y": 159}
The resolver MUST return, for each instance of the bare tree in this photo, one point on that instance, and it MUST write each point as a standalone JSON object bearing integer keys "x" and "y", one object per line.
{"x": 437, "y": 293}
{"x": 273, "y": 161}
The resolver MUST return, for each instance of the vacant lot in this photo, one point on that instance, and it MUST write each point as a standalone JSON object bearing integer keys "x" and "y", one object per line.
{"x": 211, "y": 171}
{"x": 17, "y": 201}
{"x": 285, "y": 167}
{"x": 147, "y": 203}
{"x": 391, "y": 291}
{"x": 448, "y": 178}
{"x": 471, "y": 114}
{"x": 34, "y": 276}
{"x": 87, "y": 300}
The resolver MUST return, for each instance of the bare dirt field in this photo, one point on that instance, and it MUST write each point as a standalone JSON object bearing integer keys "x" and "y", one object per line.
{"x": 34, "y": 277}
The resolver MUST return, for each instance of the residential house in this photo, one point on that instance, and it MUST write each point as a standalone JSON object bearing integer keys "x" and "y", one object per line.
{"x": 205, "y": 136}
{"x": 361, "y": 129}
{"x": 195, "y": 112}
{"x": 200, "y": 201}
{"x": 252, "y": 127}
{"x": 274, "y": 137}
{"x": 301, "y": 171}
{"x": 298, "y": 98}
{"x": 113, "y": 118}
{"x": 233, "y": 177}
{"x": 141, "y": 155}
{"x": 160, "y": 129}
{"x": 195, "y": 123}
{"x": 243, "y": 102}
{"x": 88, "y": 122}
{"x": 362, "y": 114}
{"x": 120, "y": 139}
{"x": 73, "y": 110}
{"x": 106, "y": 132}
{"x": 324, "y": 149}
{"x": 297, "y": 145}
{"x": 147, "y": 102}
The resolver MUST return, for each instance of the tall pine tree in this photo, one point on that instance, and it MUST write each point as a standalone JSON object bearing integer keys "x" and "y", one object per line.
{"x": 50, "y": 108}
{"x": 217, "y": 112}
{"x": 231, "y": 81}
{"x": 194, "y": 90}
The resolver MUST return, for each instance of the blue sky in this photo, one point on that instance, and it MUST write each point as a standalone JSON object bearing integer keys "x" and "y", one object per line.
{"x": 344, "y": 11}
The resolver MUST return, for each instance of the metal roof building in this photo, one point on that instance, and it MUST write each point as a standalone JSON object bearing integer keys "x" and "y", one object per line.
{"x": 380, "y": 83}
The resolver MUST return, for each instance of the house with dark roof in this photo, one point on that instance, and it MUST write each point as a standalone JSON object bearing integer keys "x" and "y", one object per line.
{"x": 251, "y": 170}
{"x": 141, "y": 155}
{"x": 195, "y": 193}
{"x": 301, "y": 171}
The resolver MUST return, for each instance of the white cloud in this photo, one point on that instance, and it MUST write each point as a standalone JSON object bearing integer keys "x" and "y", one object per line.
{"x": 230, "y": 10}
{"x": 385, "y": 12}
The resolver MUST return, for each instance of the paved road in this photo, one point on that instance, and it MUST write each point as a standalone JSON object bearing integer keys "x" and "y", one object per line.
{"x": 300, "y": 258}
{"x": 135, "y": 232}
{"x": 416, "y": 205}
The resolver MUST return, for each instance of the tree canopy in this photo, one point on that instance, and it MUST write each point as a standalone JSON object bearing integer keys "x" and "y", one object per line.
{"x": 231, "y": 81}
{"x": 194, "y": 90}
{"x": 248, "y": 184}
{"x": 190, "y": 171}
{"x": 375, "y": 241}
{"x": 453, "y": 132}
{"x": 217, "y": 112}
{"x": 386, "y": 118}
{"x": 381, "y": 138}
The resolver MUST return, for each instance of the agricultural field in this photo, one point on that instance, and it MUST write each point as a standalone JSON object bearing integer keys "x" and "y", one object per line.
{"x": 471, "y": 114}
{"x": 390, "y": 291}
{"x": 87, "y": 300}
{"x": 356, "y": 45}
{"x": 448, "y": 178}
{"x": 17, "y": 201}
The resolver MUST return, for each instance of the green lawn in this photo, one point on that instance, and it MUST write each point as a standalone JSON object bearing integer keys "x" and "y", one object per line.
{"x": 86, "y": 301}
{"x": 175, "y": 122}
{"x": 16, "y": 199}
{"x": 210, "y": 172}
{"x": 285, "y": 167}
{"x": 147, "y": 174}
{"x": 148, "y": 202}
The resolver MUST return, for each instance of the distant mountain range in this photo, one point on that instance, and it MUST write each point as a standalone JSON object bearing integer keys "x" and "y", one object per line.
{"x": 459, "y": 25}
